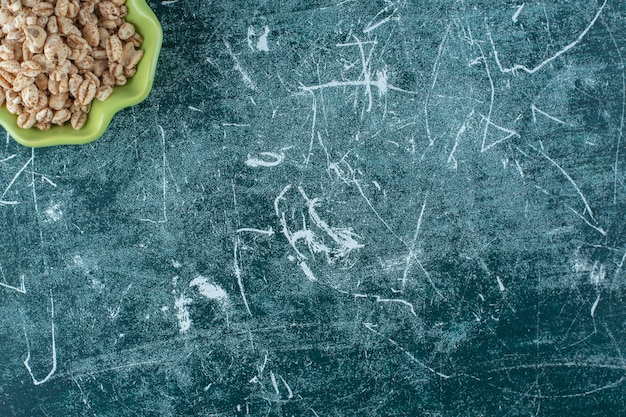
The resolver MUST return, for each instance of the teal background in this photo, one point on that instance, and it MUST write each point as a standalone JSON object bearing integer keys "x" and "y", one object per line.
{"x": 387, "y": 219}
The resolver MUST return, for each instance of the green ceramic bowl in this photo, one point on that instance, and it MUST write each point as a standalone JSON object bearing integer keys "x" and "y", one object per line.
{"x": 133, "y": 92}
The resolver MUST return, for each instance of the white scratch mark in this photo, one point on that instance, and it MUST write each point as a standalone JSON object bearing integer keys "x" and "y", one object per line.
{"x": 435, "y": 73}
{"x": 313, "y": 123}
{"x": 289, "y": 392}
{"x": 283, "y": 222}
{"x": 491, "y": 100}
{"x": 82, "y": 393}
{"x": 48, "y": 180}
{"x": 430, "y": 280}
{"x": 371, "y": 25}
{"x": 237, "y": 271}
{"x": 621, "y": 265}
{"x": 596, "y": 228}
{"x": 487, "y": 118}
{"x": 580, "y": 193}
{"x": 371, "y": 206}
{"x": 235, "y": 125}
{"x": 346, "y": 44}
{"x": 32, "y": 183}
{"x": 500, "y": 284}
{"x": 622, "y": 116}
{"x": 247, "y": 80}
{"x": 163, "y": 182}
{"x": 8, "y": 187}
{"x": 365, "y": 79}
{"x": 411, "y": 254}
{"x": 380, "y": 83}
{"x": 517, "y": 13}
{"x": 379, "y": 23}
{"x": 21, "y": 289}
{"x": 168, "y": 2}
{"x": 519, "y": 168}
{"x": 114, "y": 313}
{"x": 8, "y": 158}
{"x": 274, "y": 383}
{"x": 451, "y": 158}
{"x": 192, "y": 108}
{"x": 569, "y": 46}
{"x": 54, "y": 351}
{"x": 535, "y": 110}
{"x": 341, "y": 3}
{"x": 343, "y": 237}
{"x": 370, "y": 327}
{"x": 379, "y": 299}
{"x": 262, "y": 367}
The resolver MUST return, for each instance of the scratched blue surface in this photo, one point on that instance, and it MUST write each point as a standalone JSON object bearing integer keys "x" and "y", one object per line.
{"x": 333, "y": 208}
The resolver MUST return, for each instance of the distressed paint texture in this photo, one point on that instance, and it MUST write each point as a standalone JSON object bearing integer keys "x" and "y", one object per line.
{"x": 333, "y": 208}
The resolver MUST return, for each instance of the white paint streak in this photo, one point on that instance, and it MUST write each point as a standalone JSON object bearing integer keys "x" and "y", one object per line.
{"x": 274, "y": 383}
{"x": 237, "y": 271}
{"x": 208, "y": 290}
{"x": 597, "y": 274}
{"x": 345, "y": 240}
{"x": 182, "y": 313}
{"x": 261, "y": 43}
{"x": 268, "y": 232}
{"x": 517, "y": 12}
{"x": 267, "y": 159}
{"x": 289, "y": 392}
{"x": 54, "y": 213}
{"x": 595, "y": 305}
{"x": 344, "y": 237}
{"x": 307, "y": 271}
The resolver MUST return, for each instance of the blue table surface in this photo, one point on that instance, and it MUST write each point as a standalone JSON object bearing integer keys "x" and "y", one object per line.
{"x": 333, "y": 208}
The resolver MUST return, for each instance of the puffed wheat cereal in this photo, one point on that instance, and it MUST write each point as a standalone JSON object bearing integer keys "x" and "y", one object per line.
{"x": 57, "y": 56}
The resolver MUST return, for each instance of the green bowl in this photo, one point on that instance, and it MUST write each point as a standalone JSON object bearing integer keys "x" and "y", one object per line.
{"x": 133, "y": 92}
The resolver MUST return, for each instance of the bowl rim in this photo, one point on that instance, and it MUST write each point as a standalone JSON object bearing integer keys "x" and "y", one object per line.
{"x": 133, "y": 92}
